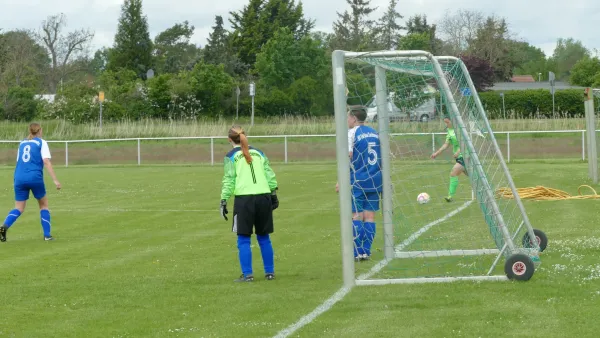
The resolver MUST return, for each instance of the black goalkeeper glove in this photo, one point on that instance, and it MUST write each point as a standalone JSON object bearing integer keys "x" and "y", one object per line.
{"x": 224, "y": 211}
{"x": 274, "y": 199}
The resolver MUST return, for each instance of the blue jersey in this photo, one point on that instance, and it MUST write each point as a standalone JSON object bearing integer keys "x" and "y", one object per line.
{"x": 365, "y": 165}
{"x": 30, "y": 161}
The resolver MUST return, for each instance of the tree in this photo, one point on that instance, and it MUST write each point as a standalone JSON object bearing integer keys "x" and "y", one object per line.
{"x": 258, "y": 21}
{"x": 459, "y": 28}
{"x": 132, "y": 48}
{"x": 24, "y": 63}
{"x": 528, "y": 60}
{"x": 173, "y": 50}
{"x": 415, "y": 41}
{"x": 585, "y": 72}
{"x": 480, "y": 70}
{"x": 566, "y": 54}
{"x": 284, "y": 59}
{"x": 417, "y": 25}
{"x": 99, "y": 62}
{"x": 388, "y": 27}
{"x": 491, "y": 43}
{"x": 354, "y": 30}
{"x": 219, "y": 49}
{"x": 19, "y": 105}
{"x": 63, "y": 48}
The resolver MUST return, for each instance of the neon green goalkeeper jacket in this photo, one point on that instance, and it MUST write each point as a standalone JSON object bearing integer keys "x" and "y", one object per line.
{"x": 241, "y": 178}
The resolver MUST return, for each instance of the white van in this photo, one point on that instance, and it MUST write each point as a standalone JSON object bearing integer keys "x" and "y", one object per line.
{"x": 422, "y": 113}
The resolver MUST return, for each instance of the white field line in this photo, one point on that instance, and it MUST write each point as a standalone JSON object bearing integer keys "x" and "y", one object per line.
{"x": 167, "y": 210}
{"x": 342, "y": 292}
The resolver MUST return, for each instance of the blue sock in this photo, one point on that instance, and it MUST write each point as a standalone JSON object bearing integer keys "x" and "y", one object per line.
{"x": 245, "y": 254}
{"x": 266, "y": 250}
{"x": 45, "y": 219}
{"x": 358, "y": 231}
{"x": 369, "y": 235}
{"x": 12, "y": 217}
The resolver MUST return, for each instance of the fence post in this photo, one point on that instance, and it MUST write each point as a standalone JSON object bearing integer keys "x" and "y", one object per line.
{"x": 432, "y": 143}
{"x": 583, "y": 145}
{"x": 508, "y": 147}
{"x": 139, "y": 153}
{"x": 212, "y": 151}
{"x": 285, "y": 149}
{"x": 66, "y": 153}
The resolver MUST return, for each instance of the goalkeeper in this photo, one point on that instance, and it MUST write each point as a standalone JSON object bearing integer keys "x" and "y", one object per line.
{"x": 459, "y": 167}
{"x": 249, "y": 177}
{"x": 365, "y": 178}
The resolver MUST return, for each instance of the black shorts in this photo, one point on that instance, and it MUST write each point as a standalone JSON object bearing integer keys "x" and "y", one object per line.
{"x": 461, "y": 161}
{"x": 253, "y": 212}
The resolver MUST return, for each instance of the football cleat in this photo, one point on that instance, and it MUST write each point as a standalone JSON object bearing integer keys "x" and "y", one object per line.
{"x": 3, "y": 230}
{"x": 270, "y": 276}
{"x": 448, "y": 199}
{"x": 49, "y": 238}
{"x": 243, "y": 278}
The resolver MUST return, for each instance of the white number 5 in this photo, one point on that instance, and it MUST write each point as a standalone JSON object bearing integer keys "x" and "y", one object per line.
{"x": 27, "y": 154}
{"x": 372, "y": 161}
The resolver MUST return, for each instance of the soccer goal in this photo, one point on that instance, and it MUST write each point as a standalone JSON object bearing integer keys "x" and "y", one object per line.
{"x": 590, "y": 97}
{"x": 406, "y": 94}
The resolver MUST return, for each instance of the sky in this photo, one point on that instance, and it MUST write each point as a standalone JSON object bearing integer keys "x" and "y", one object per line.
{"x": 539, "y": 22}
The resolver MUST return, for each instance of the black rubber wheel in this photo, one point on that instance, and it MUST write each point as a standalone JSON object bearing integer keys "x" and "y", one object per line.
{"x": 541, "y": 238}
{"x": 519, "y": 267}
{"x": 425, "y": 118}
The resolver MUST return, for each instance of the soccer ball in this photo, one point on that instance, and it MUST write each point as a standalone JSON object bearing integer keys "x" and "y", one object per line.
{"x": 423, "y": 198}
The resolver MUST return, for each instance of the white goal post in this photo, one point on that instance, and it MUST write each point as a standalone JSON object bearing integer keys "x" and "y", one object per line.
{"x": 388, "y": 72}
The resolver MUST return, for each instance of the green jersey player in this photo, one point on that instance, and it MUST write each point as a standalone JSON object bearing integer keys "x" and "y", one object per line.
{"x": 459, "y": 167}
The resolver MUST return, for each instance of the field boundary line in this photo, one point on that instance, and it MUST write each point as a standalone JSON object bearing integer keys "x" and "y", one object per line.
{"x": 342, "y": 292}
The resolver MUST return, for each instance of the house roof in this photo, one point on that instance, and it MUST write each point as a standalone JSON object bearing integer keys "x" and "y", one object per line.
{"x": 522, "y": 78}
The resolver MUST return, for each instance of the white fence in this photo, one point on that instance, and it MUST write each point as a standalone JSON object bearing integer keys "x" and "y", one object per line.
{"x": 298, "y": 145}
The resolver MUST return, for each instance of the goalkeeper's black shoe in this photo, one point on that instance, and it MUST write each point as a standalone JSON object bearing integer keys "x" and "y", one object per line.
{"x": 243, "y": 278}
{"x": 3, "y": 230}
{"x": 448, "y": 199}
{"x": 270, "y": 276}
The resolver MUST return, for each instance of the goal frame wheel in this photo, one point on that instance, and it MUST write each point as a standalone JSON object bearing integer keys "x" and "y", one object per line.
{"x": 541, "y": 238}
{"x": 519, "y": 267}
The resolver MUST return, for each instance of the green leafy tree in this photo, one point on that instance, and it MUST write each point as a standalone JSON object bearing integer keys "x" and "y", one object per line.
{"x": 25, "y": 62}
{"x": 416, "y": 41}
{"x": 585, "y": 72}
{"x": 132, "y": 48}
{"x": 491, "y": 43}
{"x": 354, "y": 30}
{"x": 284, "y": 59}
{"x": 258, "y": 21}
{"x": 417, "y": 25}
{"x": 388, "y": 27}
{"x": 219, "y": 49}
{"x": 173, "y": 51}
{"x": 212, "y": 86}
{"x": 565, "y": 56}
{"x": 20, "y": 105}
{"x": 528, "y": 60}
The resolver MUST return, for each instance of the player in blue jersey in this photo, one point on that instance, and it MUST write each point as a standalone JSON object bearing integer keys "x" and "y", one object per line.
{"x": 365, "y": 178}
{"x": 33, "y": 155}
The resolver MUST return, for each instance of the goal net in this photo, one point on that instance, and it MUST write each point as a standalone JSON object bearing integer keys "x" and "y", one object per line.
{"x": 482, "y": 232}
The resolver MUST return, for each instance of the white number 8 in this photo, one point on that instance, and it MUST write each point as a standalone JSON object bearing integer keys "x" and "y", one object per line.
{"x": 26, "y": 153}
{"x": 372, "y": 161}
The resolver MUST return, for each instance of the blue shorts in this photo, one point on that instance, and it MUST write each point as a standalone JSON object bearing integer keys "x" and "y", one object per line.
{"x": 365, "y": 201}
{"x": 22, "y": 190}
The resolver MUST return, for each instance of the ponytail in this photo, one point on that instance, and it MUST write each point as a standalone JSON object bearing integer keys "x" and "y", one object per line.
{"x": 245, "y": 148}
{"x": 238, "y": 136}
{"x": 34, "y": 130}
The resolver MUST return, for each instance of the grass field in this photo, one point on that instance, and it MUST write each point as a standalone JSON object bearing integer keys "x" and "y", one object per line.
{"x": 142, "y": 252}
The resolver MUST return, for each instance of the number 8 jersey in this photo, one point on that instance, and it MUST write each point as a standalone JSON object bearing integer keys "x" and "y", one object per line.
{"x": 365, "y": 165}
{"x": 30, "y": 160}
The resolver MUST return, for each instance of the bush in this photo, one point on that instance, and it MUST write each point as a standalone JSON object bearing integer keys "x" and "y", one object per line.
{"x": 20, "y": 105}
{"x": 527, "y": 103}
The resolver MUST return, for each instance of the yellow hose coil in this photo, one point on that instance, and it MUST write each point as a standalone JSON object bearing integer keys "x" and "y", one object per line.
{"x": 541, "y": 193}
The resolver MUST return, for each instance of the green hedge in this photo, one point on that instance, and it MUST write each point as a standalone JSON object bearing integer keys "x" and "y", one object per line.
{"x": 527, "y": 103}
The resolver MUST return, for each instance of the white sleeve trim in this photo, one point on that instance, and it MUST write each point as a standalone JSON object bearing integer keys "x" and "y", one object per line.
{"x": 45, "y": 150}
{"x": 351, "y": 133}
